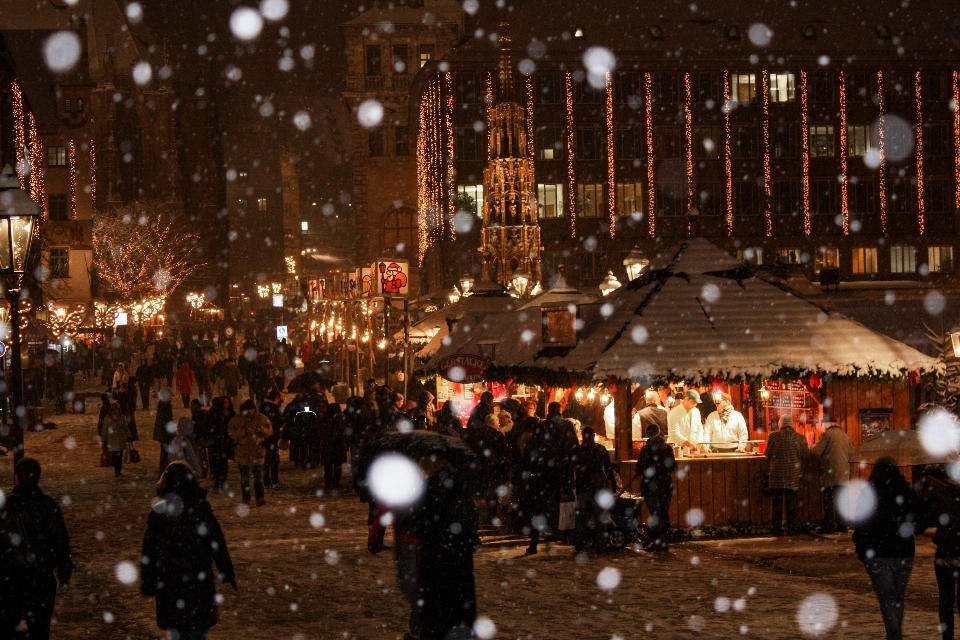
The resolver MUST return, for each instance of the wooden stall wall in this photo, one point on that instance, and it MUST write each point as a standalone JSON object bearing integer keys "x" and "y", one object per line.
{"x": 847, "y": 397}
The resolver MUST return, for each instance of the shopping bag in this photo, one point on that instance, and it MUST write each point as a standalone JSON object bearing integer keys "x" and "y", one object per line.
{"x": 105, "y": 459}
{"x": 568, "y": 516}
{"x": 131, "y": 455}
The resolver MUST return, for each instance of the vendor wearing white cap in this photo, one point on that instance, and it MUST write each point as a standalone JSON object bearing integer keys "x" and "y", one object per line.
{"x": 684, "y": 423}
{"x": 725, "y": 428}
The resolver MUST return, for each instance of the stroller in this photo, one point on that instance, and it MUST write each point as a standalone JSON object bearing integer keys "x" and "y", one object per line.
{"x": 625, "y": 526}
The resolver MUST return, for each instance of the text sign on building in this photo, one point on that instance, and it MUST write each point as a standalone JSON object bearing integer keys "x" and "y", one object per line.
{"x": 463, "y": 368}
{"x": 392, "y": 277}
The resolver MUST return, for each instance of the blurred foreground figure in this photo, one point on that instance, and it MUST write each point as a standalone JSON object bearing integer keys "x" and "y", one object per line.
{"x": 33, "y": 545}
{"x": 182, "y": 544}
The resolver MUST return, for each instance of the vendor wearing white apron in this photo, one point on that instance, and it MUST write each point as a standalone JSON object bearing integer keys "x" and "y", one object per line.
{"x": 725, "y": 428}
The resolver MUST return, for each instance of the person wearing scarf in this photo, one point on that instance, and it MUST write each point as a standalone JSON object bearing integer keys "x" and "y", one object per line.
{"x": 725, "y": 428}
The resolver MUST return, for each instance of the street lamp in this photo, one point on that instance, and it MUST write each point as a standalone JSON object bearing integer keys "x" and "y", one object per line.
{"x": 18, "y": 213}
{"x": 520, "y": 280}
{"x": 609, "y": 284}
{"x": 635, "y": 263}
{"x": 466, "y": 283}
{"x": 453, "y": 296}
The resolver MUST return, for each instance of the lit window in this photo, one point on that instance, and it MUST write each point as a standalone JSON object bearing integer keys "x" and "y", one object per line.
{"x": 550, "y": 200}
{"x": 589, "y": 200}
{"x": 940, "y": 259}
{"x": 822, "y": 141}
{"x": 789, "y": 255}
{"x": 426, "y": 54}
{"x": 549, "y": 143}
{"x": 470, "y": 198}
{"x": 629, "y": 199}
{"x": 782, "y": 88}
{"x": 750, "y": 255}
{"x": 243, "y": 174}
{"x": 858, "y": 140}
{"x": 865, "y": 260}
{"x": 68, "y": 105}
{"x": 827, "y": 258}
{"x": 743, "y": 87}
{"x": 261, "y": 204}
{"x": 304, "y": 225}
{"x": 59, "y": 262}
{"x": 57, "y": 156}
{"x": 903, "y": 260}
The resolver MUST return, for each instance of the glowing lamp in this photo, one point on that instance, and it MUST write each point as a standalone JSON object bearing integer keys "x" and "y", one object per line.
{"x": 635, "y": 263}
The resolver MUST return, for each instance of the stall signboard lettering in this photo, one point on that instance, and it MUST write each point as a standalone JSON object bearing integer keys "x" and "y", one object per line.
{"x": 463, "y": 368}
{"x": 392, "y": 277}
{"x": 560, "y": 326}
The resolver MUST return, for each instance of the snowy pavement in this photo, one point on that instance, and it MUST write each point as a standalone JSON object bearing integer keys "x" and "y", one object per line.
{"x": 303, "y": 569}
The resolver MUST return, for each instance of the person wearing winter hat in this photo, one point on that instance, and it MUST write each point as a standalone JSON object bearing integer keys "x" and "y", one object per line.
{"x": 786, "y": 450}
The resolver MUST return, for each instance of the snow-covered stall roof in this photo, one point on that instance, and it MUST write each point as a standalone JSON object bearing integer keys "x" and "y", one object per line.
{"x": 508, "y": 339}
{"x": 559, "y": 294}
{"x": 704, "y": 313}
{"x": 434, "y": 327}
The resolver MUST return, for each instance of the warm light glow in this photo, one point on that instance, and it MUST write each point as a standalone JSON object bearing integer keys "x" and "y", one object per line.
{"x": 263, "y": 290}
{"x": 844, "y": 178}
{"x": 956, "y": 139}
{"x": 277, "y": 287}
{"x": 767, "y": 187}
{"x": 72, "y": 159}
{"x": 93, "y": 174}
{"x": 147, "y": 309}
{"x": 19, "y": 132}
{"x": 651, "y": 191}
{"x": 611, "y": 165}
{"x": 63, "y": 321}
{"x": 571, "y": 141}
{"x": 883, "y": 158}
{"x": 921, "y": 205}
{"x": 528, "y": 92}
{"x": 688, "y": 141}
{"x": 196, "y": 300}
{"x": 451, "y": 172}
{"x": 291, "y": 265}
{"x": 728, "y": 151}
{"x": 429, "y": 170}
{"x": 805, "y": 149}
{"x": 104, "y": 314}
{"x": 38, "y": 191}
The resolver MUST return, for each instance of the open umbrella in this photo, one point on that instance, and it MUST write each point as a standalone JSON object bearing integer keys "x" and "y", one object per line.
{"x": 421, "y": 444}
{"x": 902, "y": 445}
{"x": 207, "y": 344}
{"x": 304, "y": 382}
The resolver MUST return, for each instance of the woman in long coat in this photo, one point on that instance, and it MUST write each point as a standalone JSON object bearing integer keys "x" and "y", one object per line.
{"x": 115, "y": 436}
{"x": 333, "y": 445}
{"x": 220, "y": 445}
{"x": 182, "y": 544}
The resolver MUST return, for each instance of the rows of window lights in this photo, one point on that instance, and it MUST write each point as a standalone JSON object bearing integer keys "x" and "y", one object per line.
{"x": 242, "y": 204}
{"x": 707, "y": 87}
{"x": 399, "y": 58}
{"x": 863, "y": 260}
{"x": 748, "y": 197}
{"x": 377, "y": 141}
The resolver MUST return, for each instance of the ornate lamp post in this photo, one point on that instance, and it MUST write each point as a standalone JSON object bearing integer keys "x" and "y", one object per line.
{"x": 18, "y": 214}
{"x": 609, "y": 284}
{"x": 453, "y": 296}
{"x": 466, "y": 283}
{"x": 635, "y": 263}
{"x": 520, "y": 280}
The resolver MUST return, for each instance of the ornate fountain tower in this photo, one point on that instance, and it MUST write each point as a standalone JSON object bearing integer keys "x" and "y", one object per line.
{"x": 510, "y": 237}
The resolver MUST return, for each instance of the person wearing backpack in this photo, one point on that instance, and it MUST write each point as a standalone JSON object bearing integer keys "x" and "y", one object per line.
{"x": 28, "y": 588}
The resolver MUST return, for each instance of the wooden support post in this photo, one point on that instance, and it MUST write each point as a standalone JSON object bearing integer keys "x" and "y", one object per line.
{"x": 622, "y": 401}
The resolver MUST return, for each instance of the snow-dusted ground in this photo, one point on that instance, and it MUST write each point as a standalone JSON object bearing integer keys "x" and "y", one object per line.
{"x": 299, "y": 581}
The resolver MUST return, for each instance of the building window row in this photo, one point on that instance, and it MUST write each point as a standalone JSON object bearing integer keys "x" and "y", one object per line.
{"x": 863, "y": 260}
{"x": 399, "y": 58}
{"x": 377, "y": 146}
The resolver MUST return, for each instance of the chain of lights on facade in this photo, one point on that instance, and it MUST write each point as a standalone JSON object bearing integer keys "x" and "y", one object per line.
{"x": 38, "y": 189}
{"x": 19, "y": 132}
{"x": 767, "y": 187}
{"x": 571, "y": 185}
{"x": 883, "y": 158}
{"x": 93, "y": 174}
{"x": 72, "y": 159}
{"x": 688, "y": 143}
{"x": 844, "y": 178}
{"x": 528, "y": 94}
{"x": 429, "y": 168}
{"x": 956, "y": 139}
{"x": 488, "y": 105}
{"x": 611, "y": 163}
{"x": 648, "y": 126}
{"x": 921, "y": 205}
{"x": 805, "y": 151}
{"x": 727, "y": 151}
{"x": 451, "y": 172}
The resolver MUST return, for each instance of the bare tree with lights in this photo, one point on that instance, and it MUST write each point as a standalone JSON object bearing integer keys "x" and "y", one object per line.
{"x": 140, "y": 252}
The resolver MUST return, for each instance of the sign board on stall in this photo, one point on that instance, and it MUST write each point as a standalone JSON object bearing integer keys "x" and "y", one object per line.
{"x": 560, "y": 326}
{"x": 121, "y": 320}
{"x": 366, "y": 282}
{"x": 392, "y": 277}
{"x": 278, "y": 300}
{"x": 463, "y": 368}
{"x": 281, "y": 332}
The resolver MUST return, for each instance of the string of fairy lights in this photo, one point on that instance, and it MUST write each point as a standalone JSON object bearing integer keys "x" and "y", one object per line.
{"x": 921, "y": 204}
{"x": 844, "y": 178}
{"x": 93, "y": 174}
{"x": 451, "y": 172}
{"x": 38, "y": 189}
{"x": 429, "y": 170}
{"x": 956, "y": 139}
{"x": 528, "y": 94}
{"x": 72, "y": 160}
{"x": 882, "y": 149}
{"x": 571, "y": 184}
{"x": 648, "y": 129}
{"x": 805, "y": 150}
{"x": 767, "y": 194}
{"x": 611, "y": 164}
{"x": 688, "y": 138}
{"x": 19, "y": 131}
{"x": 728, "y": 151}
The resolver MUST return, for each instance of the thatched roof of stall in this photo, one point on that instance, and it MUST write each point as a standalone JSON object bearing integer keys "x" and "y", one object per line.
{"x": 704, "y": 314}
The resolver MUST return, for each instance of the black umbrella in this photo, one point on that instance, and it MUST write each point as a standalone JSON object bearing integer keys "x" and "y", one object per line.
{"x": 421, "y": 444}
{"x": 304, "y": 382}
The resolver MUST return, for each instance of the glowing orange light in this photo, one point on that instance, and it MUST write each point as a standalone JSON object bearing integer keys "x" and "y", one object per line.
{"x": 93, "y": 174}
{"x": 451, "y": 171}
{"x": 19, "y": 133}
{"x": 688, "y": 139}
{"x": 956, "y": 139}
{"x": 921, "y": 206}
{"x": 72, "y": 159}
{"x": 528, "y": 86}
{"x": 883, "y": 158}
{"x": 38, "y": 191}
{"x": 429, "y": 170}
{"x": 844, "y": 180}
{"x": 571, "y": 184}
{"x": 768, "y": 207}
{"x": 611, "y": 168}
{"x": 651, "y": 191}
{"x": 805, "y": 144}
{"x": 728, "y": 151}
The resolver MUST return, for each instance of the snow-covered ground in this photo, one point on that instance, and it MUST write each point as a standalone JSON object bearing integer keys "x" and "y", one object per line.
{"x": 307, "y": 577}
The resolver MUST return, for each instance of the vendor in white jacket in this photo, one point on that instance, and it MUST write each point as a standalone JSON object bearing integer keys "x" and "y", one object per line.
{"x": 725, "y": 428}
{"x": 683, "y": 422}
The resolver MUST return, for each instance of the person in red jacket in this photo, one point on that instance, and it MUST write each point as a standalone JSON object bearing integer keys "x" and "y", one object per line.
{"x": 185, "y": 382}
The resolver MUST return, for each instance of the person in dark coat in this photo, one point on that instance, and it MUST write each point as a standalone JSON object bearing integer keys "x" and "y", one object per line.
{"x": 126, "y": 397}
{"x": 28, "y": 588}
{"x": 446, "y": 421}
{"x": 884, "y": 542}
{"x": 182, "y": 545}
{"x": 164, "y": 428}
{"x": 220, "y": 415}
{"x": 942, "y": 510}
{"x": 333, "y": 446}
{"x": 541, "y": 493}
{"x": 145, "y": 382}
{"x": 447, "y": 534}
{"x": 490, "y": 450}
{"x": 653, "y": 413}
{"x": 271, "y": 409}
{"x": 593, "y": 473}
{"x": 655, "y": 469}
{"x": 104, "y": 410}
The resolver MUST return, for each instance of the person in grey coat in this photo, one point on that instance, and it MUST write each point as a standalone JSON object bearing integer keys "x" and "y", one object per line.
{"x": 786, "y": 450}
{"x": 834, "y": 449}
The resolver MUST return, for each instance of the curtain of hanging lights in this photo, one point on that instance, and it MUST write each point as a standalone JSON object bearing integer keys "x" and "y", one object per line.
{"x": 571, "y": 179}
{"x": 805, "y": 150}
{"x": 93, "y": 174}
{"x": 72, "y": 159}
{"x": 611, "y": 167}
{"x": 921, "y": 204}
{"x": 19, "y": 132}
{"x": 883, "y": 158}
{"x": 451, "y": 172}
{"x": 727, "y": 151}
{"x": 38, "y": 189}
{"x": 767, "y": 187}
{"x": 844, "y": 178}
{"x": 651, "y": 191}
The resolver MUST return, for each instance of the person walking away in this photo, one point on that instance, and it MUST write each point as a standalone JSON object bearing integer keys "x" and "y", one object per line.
{"x": 834, "y": 449}
{"x": 221, "y": 413}
{"x": 182, "y": 447}
{"x": 163, "y": 425}
{"x": 655, "y": 469}
{"x": 231, "y": 379}
{"x": 201, "y": 435}
{"x": 653, "y": 413}
{"x": 182, "y": 545}
{"x": 941, "y": 497}
{"x": 185, "y": 382}
{"x": 29, "y": 571}
{"x": 271, "y": 469}
{"x": 490, "y": 448}
{"x": 145, "y": 382}
{"x": 333, "y": 446}
{"x": 539, "y": 481}
{"x": 126, "y": 397}
{"x": 447, "y": 534}
{"x": 885, "y": 543}
{"x": 115, "y": 437}
{"x": 786, "y": 450}
{"x": 447, "y": 422}
{"x": 594, "y": 473}
{"x": 249, "y": 429}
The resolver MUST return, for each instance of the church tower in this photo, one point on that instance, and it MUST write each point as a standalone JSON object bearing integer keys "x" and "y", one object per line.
{"x": 510, "y": 239}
